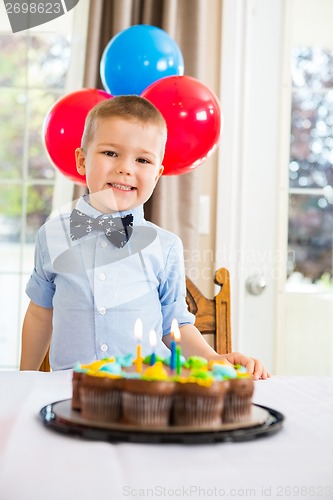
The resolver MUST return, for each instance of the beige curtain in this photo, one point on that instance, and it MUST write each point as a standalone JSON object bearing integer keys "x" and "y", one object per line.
{"x": 174, "y": 204}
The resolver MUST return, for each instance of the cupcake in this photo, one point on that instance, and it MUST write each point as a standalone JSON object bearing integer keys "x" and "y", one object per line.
{"x": 78, "y": 371}
{"x": 237, "y": 408}
{"x": 76, "y": 383}
{"x": 147, "y": 400}
{"x": 199, "y": 400}
{"x": 100, "y": 395}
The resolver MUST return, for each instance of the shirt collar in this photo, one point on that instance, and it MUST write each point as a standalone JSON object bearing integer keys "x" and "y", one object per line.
{"x": 84, "y": 206}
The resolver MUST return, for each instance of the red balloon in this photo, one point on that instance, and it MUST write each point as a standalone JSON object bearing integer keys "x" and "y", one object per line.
{"x": 63, "y": 128}
{"x": 193, "y": 116}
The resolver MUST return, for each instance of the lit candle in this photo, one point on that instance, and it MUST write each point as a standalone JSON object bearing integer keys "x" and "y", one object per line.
{"x": 138, "y": 336}
{"x": 152, "y": 342}
{"x": 175, "y": 337}
{"x": 178, "y": 363}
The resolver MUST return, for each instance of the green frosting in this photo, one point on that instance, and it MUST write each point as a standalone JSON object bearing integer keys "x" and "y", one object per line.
{"x": 202, "y": 374}
{"x": 195, "y": 362}
{"x": 146, "y": 360}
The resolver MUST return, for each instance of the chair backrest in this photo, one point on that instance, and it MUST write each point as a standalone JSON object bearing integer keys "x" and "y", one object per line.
{"x": 45, "y": 366}
{"x": 212, "y": 315}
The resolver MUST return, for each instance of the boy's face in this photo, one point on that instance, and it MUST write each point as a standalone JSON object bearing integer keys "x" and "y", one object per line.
{"x": 122, "y": 163}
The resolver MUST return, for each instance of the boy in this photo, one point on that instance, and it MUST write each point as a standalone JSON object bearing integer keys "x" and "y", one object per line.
{"x": 102, "y": 266}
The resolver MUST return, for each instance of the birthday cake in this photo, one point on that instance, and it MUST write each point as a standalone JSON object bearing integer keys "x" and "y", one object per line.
{"x": 199, "y": 393}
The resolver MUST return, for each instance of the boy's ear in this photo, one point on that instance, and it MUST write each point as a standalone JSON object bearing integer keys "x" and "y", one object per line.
{"x": 160, "y": 172}
{"x": 80, "y": 161}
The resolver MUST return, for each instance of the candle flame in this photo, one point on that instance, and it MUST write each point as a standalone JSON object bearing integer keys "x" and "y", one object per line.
{"x": 152, "y": 338}
{"x": 138, "y": 329}
{"x": 175, "y": 330}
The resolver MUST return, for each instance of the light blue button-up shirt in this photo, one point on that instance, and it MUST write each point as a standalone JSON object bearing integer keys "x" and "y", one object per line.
{"x": 97, "y": 290}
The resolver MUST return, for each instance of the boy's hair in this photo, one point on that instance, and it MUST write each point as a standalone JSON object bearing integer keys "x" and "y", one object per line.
{"x": 129, "y": 107}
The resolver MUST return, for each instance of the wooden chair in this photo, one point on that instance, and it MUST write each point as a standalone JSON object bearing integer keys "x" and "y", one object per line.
{"x": 45, "y": 366}
{"x": 212, "y": 315}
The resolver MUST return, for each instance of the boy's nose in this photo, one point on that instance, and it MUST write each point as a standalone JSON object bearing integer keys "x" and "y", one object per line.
{"x": 125, "y": 167}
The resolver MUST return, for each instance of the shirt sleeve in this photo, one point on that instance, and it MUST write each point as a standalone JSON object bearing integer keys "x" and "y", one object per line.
{"x": 173, "y": 290}
{"x": 40, "y": 287}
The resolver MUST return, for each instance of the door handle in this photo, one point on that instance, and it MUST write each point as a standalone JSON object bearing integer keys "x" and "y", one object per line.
{"x": 255, "y": 284}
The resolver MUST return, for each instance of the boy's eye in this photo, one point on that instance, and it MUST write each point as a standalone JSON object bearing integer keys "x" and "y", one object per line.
{"x": 142, "y": 160}
{"x": 109, "y": 153}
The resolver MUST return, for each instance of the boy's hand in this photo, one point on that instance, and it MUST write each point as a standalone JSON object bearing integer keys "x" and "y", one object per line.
{"x": 193, "y": 344}
{"x": 253, "y": 365}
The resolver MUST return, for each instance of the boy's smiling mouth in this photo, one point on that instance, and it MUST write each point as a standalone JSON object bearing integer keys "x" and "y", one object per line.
{"x": 122, "y": 187}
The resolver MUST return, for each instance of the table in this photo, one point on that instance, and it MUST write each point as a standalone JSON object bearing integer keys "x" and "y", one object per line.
{"x": 36, "y": 463}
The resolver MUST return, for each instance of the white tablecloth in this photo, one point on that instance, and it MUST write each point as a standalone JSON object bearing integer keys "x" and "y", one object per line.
{"x": 37, "y": 463}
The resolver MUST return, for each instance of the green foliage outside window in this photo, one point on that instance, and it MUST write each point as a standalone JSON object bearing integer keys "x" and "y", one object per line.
{"x": 33, "y": 70}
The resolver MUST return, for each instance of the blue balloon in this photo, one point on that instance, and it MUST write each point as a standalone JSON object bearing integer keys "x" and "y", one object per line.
{"x": 137, "y": 57}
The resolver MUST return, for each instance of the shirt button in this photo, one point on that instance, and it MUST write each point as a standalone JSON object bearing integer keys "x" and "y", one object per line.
{"x": 102, "y": 310}
{"x": 102, "y": 276}
{"x": 104, "y": 347}
{"x": 104, "y": 244}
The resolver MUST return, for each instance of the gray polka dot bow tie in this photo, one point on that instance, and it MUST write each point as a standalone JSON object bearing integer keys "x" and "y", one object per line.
{"x": 118, "y": 230}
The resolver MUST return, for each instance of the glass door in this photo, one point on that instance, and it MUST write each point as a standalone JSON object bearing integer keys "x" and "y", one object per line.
{"x": 309, "y": 286}
{"x": 274, "y": 226}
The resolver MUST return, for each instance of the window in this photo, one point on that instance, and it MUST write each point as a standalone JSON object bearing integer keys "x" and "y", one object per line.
{"x": 311, "y": 166}
{"x": 306, "y": 307}
{"x": 36, "y": 69}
